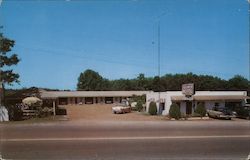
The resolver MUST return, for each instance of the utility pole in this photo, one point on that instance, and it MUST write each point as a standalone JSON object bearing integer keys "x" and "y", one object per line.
{"x": 1, "y": 82}
{"x": 159, "y": 62}
{"x": 159, "y": 57}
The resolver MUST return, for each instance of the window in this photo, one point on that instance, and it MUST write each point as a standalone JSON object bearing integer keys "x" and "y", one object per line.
{"x": 216, "y": 104}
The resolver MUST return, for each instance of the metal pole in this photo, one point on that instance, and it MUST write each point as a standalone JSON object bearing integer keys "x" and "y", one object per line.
{"x": 159, "y": 62}
{"x": 1, "y": 82}
{"x": 159, "y": 48}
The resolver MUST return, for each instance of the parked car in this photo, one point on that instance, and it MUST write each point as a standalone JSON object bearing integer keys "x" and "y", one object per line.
{"x": 243, "y": 112}
{"x": 120, "y": 108}
{"x": 222, "y": 113}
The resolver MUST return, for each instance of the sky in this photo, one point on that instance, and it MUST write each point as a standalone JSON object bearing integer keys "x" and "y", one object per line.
{"x": 57, "y": 40}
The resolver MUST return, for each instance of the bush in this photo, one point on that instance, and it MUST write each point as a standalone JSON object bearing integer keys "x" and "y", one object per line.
{"x": 174, "y": 111}
{"x": 243, "y": 112}
{"x": 61, "y": 111}
{"x": 15, "y": 113}
{"x": 201, "y": 110}
{"x": 152, "y": 108}
{"x": 44, "y": 112}
{"x": 139, "y": 106}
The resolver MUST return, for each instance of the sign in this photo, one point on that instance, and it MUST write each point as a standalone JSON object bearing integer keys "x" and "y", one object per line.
{"x": 188, "y": 89}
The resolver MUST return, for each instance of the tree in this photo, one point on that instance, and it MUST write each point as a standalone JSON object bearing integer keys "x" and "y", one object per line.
{"x": 238, "y": 83}
{"x": 141, "y": 82}
{"x": 90, "y": 80}
{"x": 157, "y": 84}
{"x": 174, "y": 111}
{"x": 7, "y": 75}
{"x": 201, "y": 110}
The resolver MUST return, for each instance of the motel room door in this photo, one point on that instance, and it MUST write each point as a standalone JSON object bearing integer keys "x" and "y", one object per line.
{"x": 189, "y": 107}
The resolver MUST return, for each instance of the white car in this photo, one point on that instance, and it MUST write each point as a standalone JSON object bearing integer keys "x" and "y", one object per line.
{"x": 121, "y": 109}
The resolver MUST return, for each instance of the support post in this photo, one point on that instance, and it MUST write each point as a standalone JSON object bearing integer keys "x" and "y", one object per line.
{"x": 54, "y": 108}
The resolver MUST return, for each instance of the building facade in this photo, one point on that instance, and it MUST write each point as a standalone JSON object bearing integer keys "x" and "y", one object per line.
{"x": 88, "y": 97}
{"x": 210, "y": 99}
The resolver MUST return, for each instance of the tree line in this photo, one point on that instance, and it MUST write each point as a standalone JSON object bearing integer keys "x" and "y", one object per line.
{"x": 90, "y": 80}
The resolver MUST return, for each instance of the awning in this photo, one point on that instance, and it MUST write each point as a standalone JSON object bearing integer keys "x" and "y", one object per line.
{"x": 210, "y": 97}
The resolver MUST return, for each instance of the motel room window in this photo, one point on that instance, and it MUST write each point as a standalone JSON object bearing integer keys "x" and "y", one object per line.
{"x": 217, "y": 104}
{"x": 82, "y": 99}
{"x": 101, "y": 99}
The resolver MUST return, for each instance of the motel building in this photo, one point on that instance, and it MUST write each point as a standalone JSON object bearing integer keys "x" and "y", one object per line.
{"x": 210, "y": 99}
{"x": 87, "y": 97}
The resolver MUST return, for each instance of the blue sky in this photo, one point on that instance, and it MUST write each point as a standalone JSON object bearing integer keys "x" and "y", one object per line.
{"x": 56, "y": 40}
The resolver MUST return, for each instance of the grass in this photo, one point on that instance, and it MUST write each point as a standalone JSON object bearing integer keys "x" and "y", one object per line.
{"x": 49, "y": 119}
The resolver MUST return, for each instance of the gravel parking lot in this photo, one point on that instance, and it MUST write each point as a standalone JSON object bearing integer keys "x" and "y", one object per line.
{"x": 104, "y": 112}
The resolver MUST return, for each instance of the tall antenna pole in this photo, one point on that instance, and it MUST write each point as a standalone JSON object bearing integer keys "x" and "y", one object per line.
{"x": 159, "y": 58}
{"x": 159, "y": 61}
{"x": 1, "y": 82}
{"x": 159, "y": 49}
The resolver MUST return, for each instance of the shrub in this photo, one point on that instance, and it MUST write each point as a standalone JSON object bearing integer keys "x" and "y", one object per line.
{"x": 152, "y": 108}
{"x": 139, "y": 106}
{"x": 242, "y": 112}
{"x": 44, "y": 112}
{"x": 174, "y": 111}
{"x": 15, "y": 113}
{"x": 201, "y": 110}
{"x": 61, "y": 111}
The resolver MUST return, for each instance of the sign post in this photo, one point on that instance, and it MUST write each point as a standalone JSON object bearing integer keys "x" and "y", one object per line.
{"x": 188, "y": 90}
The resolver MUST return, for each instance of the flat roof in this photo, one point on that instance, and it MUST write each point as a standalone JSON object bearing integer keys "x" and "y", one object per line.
{"x": 203, "y": 95}
{"x": 61, "y": 94}
{"x": 210, "y": 97}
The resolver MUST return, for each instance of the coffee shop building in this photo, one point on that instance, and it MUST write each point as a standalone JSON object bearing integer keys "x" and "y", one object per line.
{"x": 187, "y": 104}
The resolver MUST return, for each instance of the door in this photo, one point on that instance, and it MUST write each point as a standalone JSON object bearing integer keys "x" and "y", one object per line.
{"x": 161, "y": 108}
{"x": 188, "y": 107}
{"x": 89, "y": 100}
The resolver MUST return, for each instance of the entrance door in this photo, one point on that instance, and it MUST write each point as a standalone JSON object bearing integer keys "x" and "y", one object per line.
{"x": 161, "y": 107}
{"x": 188, "y": 107}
